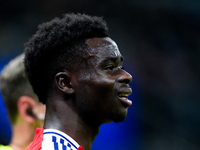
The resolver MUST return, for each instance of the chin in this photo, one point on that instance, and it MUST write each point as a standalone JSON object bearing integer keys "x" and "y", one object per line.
{"x": 119, "y": 116}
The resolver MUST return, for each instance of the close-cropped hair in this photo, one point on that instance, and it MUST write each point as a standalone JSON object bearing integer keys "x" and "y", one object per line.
{"x": 14, "y": 84}
{"x": 58, "y": 45}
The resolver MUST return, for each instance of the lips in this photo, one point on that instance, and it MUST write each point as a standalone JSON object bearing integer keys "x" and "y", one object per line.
{"x": 123, "y": 96}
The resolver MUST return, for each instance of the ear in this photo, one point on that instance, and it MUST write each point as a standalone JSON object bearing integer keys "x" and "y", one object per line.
{"x": 25, "y": 106}
{"x": 64, "y": 83}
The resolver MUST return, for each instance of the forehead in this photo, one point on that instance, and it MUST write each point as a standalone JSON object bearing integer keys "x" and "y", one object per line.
{"x": 104, "y": 47}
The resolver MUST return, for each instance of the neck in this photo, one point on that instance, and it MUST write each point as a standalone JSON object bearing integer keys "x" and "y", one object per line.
{"x": 69, "y": 122}
{"x": 22, "y": 135}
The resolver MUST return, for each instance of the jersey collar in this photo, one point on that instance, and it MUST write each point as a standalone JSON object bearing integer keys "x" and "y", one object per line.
{"x": 57, "y": 140}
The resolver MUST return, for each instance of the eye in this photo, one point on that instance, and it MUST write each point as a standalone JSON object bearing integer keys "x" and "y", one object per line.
{"x": 109, "y": 67}
{"x": 121, "y": 67}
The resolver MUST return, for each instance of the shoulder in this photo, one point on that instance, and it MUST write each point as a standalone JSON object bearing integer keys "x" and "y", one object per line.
{"x": 5, "y": 147}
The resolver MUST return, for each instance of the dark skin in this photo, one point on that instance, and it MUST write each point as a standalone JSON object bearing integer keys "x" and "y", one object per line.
{"x": 94, "y": 94}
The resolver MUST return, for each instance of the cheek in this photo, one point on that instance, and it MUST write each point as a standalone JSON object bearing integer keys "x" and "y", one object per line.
{"x": 97, "y": 88}
{"x": 106, "y": 91}
{"x": 105, "y": 94}
{"x": 97, "y": 99}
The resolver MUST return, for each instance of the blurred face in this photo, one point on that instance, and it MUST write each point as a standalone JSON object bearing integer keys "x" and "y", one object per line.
{"x": 101, "y": 85}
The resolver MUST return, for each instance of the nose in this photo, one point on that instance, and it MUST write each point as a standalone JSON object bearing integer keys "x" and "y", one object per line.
{"x": 125, "y": 77}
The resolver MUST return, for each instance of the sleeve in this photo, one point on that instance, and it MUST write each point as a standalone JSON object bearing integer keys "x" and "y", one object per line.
{"x": 80, "y": 148}
{"x": 37, "y": 142}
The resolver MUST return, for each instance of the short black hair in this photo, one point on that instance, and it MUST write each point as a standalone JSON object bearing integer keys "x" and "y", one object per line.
{"x": 57, "y": 46}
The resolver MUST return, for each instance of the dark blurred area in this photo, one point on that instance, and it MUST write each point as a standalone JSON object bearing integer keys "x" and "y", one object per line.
{"x": 160, "y": 40}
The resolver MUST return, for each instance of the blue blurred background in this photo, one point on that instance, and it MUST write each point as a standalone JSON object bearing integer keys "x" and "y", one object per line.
{"x": 160, "y": 40}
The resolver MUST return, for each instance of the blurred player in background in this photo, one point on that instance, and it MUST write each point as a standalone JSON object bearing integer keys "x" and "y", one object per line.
{"x": 25, "y": 111}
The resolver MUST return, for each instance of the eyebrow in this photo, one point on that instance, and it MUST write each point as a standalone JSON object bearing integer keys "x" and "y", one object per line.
{"x": 114, "y": 59}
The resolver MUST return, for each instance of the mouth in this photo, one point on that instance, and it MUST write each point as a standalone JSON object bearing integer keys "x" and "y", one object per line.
{"x": 123, "y": 96}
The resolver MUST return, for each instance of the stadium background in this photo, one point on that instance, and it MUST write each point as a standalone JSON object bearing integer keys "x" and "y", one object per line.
{"x": 160, "y": 40}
